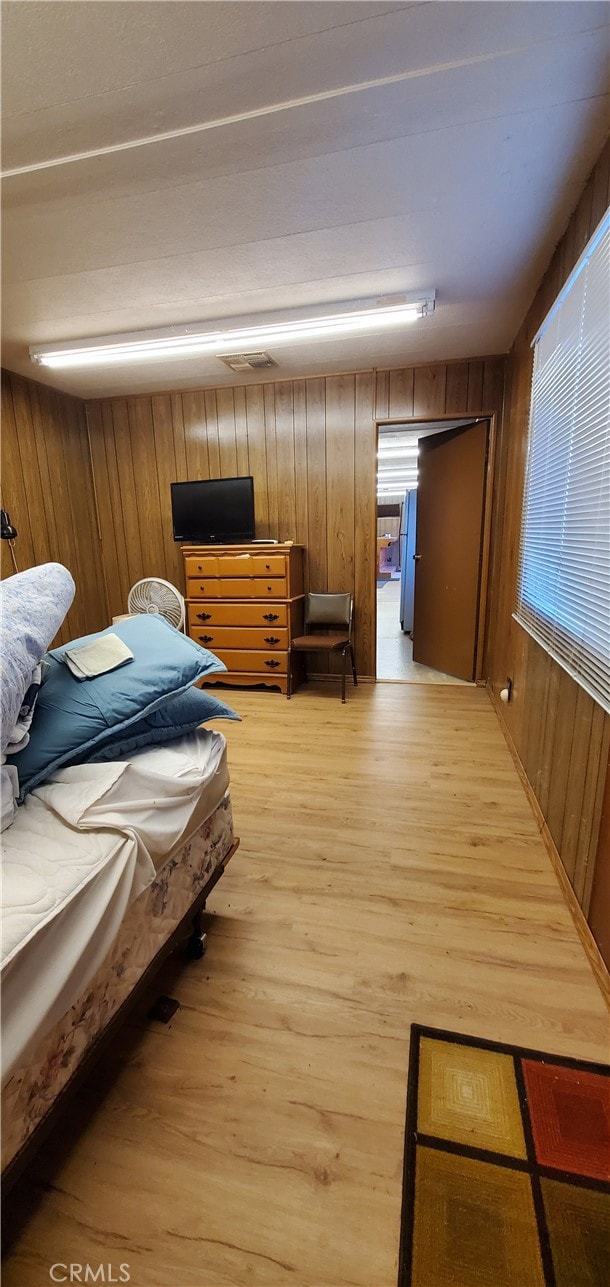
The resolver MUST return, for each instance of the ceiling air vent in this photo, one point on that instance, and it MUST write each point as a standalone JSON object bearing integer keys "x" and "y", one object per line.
{"x": 247, "y": 361}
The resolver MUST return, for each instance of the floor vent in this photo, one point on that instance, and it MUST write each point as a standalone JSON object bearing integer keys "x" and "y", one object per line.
{"x": 248, "y": 361}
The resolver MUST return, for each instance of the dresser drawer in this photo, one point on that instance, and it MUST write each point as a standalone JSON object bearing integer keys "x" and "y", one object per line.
{"x": 201, "y": 565}
{"x": 252, "y": 565}
{"x": 216, "y": 637}
{"x": 238, "y": 565}
{"x": 253, "y": 662}
{"x": 200, "y": 589}
{"x": 237, "y": 588}
{"x": 253, "y": 588}
{"x": 215, "y": 613}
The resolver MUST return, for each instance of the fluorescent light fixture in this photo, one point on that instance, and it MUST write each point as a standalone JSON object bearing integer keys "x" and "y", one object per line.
{"x": 393, "y": 483}
{"x": 192, "y": 341}
{"x": 398, "y": 452}
{"x": 397, "y": 444}
{"x": 385, "y": 475}
{"x": 397, "y": 457}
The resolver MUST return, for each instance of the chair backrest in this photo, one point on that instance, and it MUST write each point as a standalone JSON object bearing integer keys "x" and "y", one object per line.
{"x": 329, "y": 610}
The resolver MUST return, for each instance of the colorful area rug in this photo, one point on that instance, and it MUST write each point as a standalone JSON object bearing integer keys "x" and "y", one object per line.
{"x": 507, "y": 1167}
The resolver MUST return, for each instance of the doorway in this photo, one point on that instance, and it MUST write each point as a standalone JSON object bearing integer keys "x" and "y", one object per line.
{"x": 431, "y": 538}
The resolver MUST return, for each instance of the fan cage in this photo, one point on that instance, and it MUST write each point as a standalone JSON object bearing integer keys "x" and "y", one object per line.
{"x": 154, "y": 596}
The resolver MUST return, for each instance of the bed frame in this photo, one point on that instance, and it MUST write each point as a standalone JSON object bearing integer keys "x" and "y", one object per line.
{"x": 188, "y": 933}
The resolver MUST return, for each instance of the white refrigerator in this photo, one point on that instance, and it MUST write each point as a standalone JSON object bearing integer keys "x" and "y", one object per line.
{"x": 407, "y": 562}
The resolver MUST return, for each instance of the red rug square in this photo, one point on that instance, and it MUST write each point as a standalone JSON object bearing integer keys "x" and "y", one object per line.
{"x": 570, "y": 1116}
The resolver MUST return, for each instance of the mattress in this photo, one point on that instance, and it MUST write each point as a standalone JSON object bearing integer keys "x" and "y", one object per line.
{"x": 41, "y": 1077}
{"x": 81, "y": 849}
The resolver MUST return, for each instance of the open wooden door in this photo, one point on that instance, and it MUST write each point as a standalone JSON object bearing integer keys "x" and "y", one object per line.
{"x": 450, "y": 511}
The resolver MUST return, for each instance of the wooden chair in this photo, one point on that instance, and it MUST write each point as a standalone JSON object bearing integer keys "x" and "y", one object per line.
{"x": 332, "y": 614}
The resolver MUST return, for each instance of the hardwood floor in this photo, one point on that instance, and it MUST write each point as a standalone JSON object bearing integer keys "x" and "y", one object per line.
{"x": 390, "y": 871}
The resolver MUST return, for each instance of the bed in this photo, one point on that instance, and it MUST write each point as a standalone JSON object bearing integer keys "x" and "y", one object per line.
{"x": 106, "y": 869}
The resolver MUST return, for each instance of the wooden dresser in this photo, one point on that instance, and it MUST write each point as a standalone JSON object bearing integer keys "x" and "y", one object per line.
{"x": 245, "y": 603}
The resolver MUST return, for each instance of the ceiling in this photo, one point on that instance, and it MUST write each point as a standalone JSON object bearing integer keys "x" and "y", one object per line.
{"x": 181, "y": 162}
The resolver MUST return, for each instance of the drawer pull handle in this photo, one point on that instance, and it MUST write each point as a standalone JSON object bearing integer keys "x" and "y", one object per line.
{"x": 273, "y": 663}
{"x": 199, "y": 567}
{"x": 269, "y": 587}
{"x": 206, "y": 638}
{"x": 271, "y": 639}
{"x": 270, "y": 616}
{"x": 204, "y": 616}
{"x": 267, "y": 567}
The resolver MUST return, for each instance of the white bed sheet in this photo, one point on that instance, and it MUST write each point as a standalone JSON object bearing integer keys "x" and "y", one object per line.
{"x": 158, "y": 796}
{"x": 80, "y": 850}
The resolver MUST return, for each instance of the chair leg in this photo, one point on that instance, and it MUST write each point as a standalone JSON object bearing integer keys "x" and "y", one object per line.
{"x": 343, "y": 661}
{"x": 351, "y": 650}
{"x": 289, "y": 678}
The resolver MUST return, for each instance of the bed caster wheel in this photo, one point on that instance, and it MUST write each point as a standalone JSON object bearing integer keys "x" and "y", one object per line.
{"x": 196, "y": 947}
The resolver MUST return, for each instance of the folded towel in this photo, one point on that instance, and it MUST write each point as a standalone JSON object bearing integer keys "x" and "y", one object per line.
{"x": 105, "y": 653}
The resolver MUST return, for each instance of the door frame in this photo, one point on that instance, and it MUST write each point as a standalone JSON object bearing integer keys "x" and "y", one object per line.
{"x": 483, "y": 604}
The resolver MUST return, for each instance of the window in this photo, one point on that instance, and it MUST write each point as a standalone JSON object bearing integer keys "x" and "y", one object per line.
{"x": 563, "y": 588}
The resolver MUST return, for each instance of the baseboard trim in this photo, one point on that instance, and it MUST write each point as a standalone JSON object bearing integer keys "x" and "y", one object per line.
{"x": 328, "y": 678}
{"x": 583, "y": 929}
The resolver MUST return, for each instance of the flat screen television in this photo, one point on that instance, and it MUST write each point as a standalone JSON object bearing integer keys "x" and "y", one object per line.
{"x": 213, "y": 511}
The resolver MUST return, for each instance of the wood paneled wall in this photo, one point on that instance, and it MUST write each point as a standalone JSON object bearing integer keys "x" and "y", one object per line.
{"x": 599, "y": 910}
{"x": 47, "y": 487}
{"x": 310, "y": 446}
{"x": 561, "y": 734}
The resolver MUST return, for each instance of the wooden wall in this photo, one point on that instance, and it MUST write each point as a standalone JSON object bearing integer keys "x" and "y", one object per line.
{"x": 599, "y": 910}
{"x": 310, "y": 445}
{"x": 561, "y": 734}
{"x": 47, "y": 487}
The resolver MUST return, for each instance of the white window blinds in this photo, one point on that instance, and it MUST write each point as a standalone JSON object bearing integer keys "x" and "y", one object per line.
{"x": 563, "y": 587}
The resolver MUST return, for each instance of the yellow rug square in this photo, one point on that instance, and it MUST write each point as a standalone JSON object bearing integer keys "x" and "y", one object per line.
{"x": 470, "y": 1096}
{"x": 578, "y": 1221}
{"x": 474, "y": 1224}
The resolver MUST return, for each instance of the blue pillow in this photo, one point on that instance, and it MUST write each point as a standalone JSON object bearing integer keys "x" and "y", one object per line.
{"x": 73, "y": 715}
{"x": 181, "y": 714}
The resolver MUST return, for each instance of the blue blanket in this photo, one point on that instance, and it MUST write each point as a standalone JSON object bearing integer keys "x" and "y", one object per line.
{"x": 33, "y": 605}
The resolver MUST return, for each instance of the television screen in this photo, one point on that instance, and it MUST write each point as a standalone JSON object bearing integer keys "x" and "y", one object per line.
{"x": 213, "y": 510}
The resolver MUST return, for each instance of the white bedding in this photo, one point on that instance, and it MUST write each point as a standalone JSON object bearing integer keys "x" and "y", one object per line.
{"x": 80, "y": 850}
{"x": 156, "y": 796}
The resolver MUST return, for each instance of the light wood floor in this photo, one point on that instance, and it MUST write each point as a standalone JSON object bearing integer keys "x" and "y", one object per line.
{"x": 390, "y": 871}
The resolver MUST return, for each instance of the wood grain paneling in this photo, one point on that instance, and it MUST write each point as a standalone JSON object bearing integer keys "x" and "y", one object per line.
{"x": 47, "y": 487}
{"x": 311, "y": 448}
{"x": 599, "y": 911}
{"x": 365, "y": 518}
{"x": 561, "y": 735}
